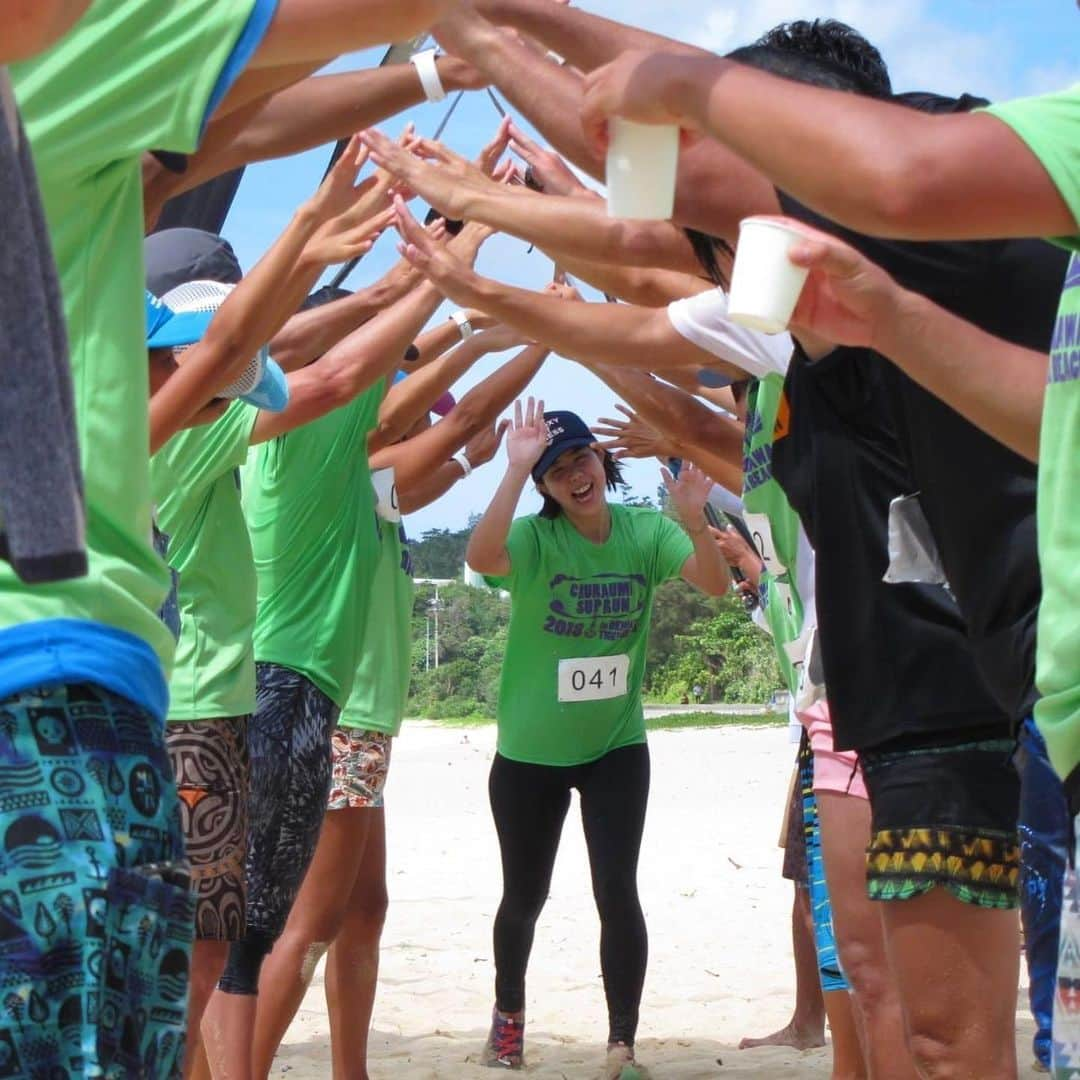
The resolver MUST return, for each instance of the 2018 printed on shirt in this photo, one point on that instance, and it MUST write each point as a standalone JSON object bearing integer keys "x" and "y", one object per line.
{"x": 604, "y": 606}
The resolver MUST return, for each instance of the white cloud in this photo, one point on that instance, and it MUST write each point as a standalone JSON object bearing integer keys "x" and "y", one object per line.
{"x": 922, "y": 52}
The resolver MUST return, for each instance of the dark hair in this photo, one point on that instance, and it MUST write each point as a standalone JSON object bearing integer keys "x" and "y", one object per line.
{"x": 327, "y": 294}
{"x": 613, "y": 478}
{"x": 452, "y": 227}
{"x": 802, "y": 68}
{"x": 705, "y": 248}
{"x": 836, "y": 44}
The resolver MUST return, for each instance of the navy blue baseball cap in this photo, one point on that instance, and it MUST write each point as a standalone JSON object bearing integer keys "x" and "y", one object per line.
{"x": 565, "y": 431}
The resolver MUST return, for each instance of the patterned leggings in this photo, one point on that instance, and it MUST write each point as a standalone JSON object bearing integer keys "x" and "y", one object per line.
{"x": 289, "y": 747}
{"x": 95, "y": 910}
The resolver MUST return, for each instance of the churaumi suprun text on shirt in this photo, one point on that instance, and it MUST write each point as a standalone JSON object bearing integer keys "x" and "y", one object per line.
{"x": 1065, "y": 345}
{"x": 604, "y": 606}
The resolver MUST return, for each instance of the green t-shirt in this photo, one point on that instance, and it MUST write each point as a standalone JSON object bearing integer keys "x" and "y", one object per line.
{"x": 378, "y": 698}
{"x": 774, "y": 524}
{"x": 132, "y": 75}
{"x": 1050, "y": 125}
{"x": 579, "y": 623}
{"x": 193, "y": 478}
{"x": 310, "y": 508}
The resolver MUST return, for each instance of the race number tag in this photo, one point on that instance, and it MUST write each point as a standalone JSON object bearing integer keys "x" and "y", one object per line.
{"x": 761, "y": 531}
{"x": 386, "y": 505}
{"x": 593, "y": 678}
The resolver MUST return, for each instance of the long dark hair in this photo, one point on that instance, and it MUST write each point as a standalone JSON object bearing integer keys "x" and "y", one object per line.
{"x": 613, "y": 479}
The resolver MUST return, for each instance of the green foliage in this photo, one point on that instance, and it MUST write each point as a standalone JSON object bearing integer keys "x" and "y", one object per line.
{"x": 695, "y": 640}
{"x": 710, "y": 720}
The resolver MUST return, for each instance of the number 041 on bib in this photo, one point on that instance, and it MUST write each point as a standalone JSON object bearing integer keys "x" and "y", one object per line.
{"x": 593, "y": 678}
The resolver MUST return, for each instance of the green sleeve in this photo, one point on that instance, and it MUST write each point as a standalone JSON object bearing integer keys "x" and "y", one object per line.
{"x": 671, "y": 548}
{"x": 133, "y": 75}
{"x": 523, "y": 547}
{"x": 194, "y": 459}
{"x": 1050, "y": 126}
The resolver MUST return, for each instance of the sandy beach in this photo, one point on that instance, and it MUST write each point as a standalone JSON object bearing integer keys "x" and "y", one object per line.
{"x": 718, "y": 913}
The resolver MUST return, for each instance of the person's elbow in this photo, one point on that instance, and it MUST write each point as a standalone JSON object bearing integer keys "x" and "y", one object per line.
{"x": 483, "y": 560}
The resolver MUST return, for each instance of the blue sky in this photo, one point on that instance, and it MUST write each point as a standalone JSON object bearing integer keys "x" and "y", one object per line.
{"x": 997, "y": 48}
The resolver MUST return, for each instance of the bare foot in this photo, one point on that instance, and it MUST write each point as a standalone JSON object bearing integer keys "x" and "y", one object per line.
{"x": 787, "y": 1036}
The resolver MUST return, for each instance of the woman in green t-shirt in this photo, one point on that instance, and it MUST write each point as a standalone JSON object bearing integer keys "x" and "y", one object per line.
{"x": 581, "y": 576}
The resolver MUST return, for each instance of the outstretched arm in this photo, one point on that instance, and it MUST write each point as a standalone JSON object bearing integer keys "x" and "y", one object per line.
{"x": 408, "y": 400}
{"x": 337, "y": 222}
{"x": 486, "y": 551}
{"x": 689, "y": 428}
{"x": 706, "y": 568}
{"x": 903, "y": 173}
{"x": 574, "y": 225}
{"x": 584, "y": 39}
{"x": 366, "y": 355}
{"x": 604, "y": 334}
{"x": 468, "y": 425}
{"x": 311, "y": 113}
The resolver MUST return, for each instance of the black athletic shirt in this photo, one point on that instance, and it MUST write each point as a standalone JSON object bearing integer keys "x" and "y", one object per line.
{"x": 978, "y": 496}
{"x": 898, "y": 665}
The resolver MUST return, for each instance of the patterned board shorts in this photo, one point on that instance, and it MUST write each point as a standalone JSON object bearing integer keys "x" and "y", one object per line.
{"x": 210, "y": 762}
{"x": 945, "y": 815}
{"x": 95, "y": 908}
{"x": 361, "y": 764}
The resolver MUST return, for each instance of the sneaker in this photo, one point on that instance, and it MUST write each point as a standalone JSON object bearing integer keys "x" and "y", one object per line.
{"x": 505, "y": 1047}
{"x": 621, "y": 1065}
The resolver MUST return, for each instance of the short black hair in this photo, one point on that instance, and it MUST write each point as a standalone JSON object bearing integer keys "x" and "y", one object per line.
{"x": 833, "y": 42}
{"x": 613, "y": 479}
{"x": 452, "y": 227}
{"x": 326, "y": 294}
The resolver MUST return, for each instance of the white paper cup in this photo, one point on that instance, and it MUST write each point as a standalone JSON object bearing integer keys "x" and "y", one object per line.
{"x": 642, "y": 161}
{"x": 765, "y": 283}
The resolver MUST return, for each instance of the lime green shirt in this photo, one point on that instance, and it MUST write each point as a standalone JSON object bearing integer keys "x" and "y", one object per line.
{"x": 579, "y": 624}
{"x": 310, "y": 508}
{"x": 773, "y": 523}
{"x": 193, "y": 479}
{"x": 132, "y": 75}
{"x": 1050, "y": 125}
{"x": 381, "y": 690}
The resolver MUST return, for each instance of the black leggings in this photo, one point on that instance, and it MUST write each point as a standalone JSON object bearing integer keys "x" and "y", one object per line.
{"x": 529, "y": 803}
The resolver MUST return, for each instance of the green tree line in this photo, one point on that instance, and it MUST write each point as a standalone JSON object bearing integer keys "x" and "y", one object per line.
{"x": 696, "y": 641}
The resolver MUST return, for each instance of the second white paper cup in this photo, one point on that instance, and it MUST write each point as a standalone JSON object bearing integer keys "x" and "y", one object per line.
{"x": 765, "y": 283}
{"x": 642, "y": 161}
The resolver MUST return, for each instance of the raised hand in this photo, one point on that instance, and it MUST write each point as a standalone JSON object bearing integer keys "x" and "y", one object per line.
{"x": 483, "y": 446}
{"x": 846, "y": 298}
{"x": 489, "y": 157}
{"x": 339, "y": 192}
{"x": 689, "y": 493}
{"x": 527, "y": 438}
{"x": 634, "y": 85}
{"x": 436, "y": 186}
{"x": 549, "y": 170}
{"x": 343, "y": 238}
{"x": 631, "y": 437}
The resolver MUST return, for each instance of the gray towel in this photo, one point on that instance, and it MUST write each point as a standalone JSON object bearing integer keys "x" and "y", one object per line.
{"x": 42, "y": 518}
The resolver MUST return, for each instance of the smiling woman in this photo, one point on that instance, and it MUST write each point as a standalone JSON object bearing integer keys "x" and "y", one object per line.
{"x": 581, "y": 575}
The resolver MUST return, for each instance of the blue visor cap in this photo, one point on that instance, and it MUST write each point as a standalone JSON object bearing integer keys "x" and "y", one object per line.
{"x": 565, "y": 431}
{"x": 166, "y": 329}
{"x": 271, "y": 392}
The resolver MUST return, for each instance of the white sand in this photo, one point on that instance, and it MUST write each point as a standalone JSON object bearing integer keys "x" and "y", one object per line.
{"x": 718, "y": 913}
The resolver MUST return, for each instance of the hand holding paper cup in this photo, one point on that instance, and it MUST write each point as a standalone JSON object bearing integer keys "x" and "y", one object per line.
{"x": 642, "y": 162}
{"x": 765, "y": 283}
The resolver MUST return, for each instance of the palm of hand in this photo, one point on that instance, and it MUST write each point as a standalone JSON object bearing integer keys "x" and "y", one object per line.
{"x": 525, "y": 444}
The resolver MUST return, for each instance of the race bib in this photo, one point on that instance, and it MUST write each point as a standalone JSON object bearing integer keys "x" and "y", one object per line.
{"x": 761, "y": 531}
{"x": 386, "y": 501}
{"x": 593, "y": 678}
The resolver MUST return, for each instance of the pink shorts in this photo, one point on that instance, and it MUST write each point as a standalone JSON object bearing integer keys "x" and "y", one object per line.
{"x": 834, "y": 770}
